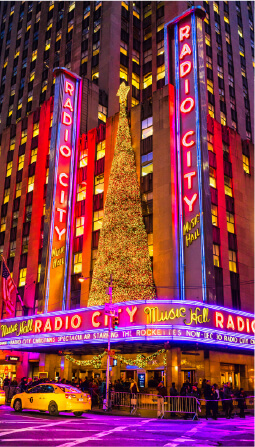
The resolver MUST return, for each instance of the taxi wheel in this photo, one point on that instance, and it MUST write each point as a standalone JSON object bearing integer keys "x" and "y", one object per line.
{"x": 78, "y": 413}
{"x": 17, "y": 405}
{"x": 53, "y": 408}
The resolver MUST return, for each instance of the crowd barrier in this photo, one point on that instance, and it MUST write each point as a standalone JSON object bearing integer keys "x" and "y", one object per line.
{"x": 153, "y": 402}
{"x": 187, "y": 405}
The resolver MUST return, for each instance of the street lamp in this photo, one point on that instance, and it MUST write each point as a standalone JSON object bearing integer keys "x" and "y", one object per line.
{"x": 110, "y": 315}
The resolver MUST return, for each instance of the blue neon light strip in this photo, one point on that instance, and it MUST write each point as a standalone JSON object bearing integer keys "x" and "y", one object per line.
{"x": 199, "y": 166}
{"x": 53, "y": 204}
{"x": 178, "y": 140}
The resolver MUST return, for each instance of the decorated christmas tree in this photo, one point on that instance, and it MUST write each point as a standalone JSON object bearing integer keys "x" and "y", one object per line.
{"x": 123, "y": 247}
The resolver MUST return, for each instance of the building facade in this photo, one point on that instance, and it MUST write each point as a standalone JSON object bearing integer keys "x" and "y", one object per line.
{"x": 116, "y": 41}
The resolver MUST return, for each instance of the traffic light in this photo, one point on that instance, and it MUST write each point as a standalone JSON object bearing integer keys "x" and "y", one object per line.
{"x": 115, "y": 322}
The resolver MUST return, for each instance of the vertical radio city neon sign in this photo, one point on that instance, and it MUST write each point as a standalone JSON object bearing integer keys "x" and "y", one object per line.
{"x": 61, "y": 195}
{"x": 187, "y": 75}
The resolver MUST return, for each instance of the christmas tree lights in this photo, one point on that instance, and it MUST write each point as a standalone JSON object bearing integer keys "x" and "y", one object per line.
{"x": 123, "y": 247}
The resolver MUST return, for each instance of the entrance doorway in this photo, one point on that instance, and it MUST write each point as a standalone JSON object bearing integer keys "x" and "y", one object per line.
{"x": 188, "y": 374}
{"x": 230, "y": 373}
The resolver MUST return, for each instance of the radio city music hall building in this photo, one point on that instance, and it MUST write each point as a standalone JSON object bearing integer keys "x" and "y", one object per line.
{"x": 196, "y": 181}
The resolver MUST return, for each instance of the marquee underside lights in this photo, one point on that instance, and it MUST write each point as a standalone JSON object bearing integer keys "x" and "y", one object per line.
{"x": 138, "y": 321}
{"x": 181, "y": 35}
{"x": 55, "y": 276}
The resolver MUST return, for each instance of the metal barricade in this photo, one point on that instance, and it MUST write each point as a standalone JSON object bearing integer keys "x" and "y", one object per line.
{"x": 153, "y": 402}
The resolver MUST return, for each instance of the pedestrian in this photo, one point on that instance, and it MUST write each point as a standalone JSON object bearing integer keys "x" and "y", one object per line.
{"x": 207, "y": 394}
{"x": 162, "y": 392}
{"x": 214, "y": 402}
{"x": 133, "y": 395}
{"x": 173, "y": 390}
{"x": 241, "y": 396}
{"x": 217, "y": 391}
{"x": 228, "y": 395}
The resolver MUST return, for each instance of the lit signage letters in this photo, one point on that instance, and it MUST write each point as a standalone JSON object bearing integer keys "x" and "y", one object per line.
{"x": 60, "y": 201}
{"x": 188, "y": 135}
{"x": 137, "y": 321}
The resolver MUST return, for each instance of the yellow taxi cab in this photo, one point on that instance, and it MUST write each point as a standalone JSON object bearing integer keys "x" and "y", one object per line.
{"x": 54, "y": 398}
{"x": 2, "y": 397}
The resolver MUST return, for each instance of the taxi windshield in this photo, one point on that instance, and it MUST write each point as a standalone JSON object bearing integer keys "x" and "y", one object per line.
{"x": 68, "y": 388}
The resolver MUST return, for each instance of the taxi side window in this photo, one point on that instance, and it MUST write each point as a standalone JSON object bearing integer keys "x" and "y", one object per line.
{"x": 47, "y": 389}
{"x": 35, "y": 389}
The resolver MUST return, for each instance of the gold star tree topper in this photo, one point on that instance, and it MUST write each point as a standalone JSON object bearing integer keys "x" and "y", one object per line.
{"x": 123, "y": 92}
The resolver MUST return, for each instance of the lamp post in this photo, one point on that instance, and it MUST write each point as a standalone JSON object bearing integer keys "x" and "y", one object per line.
{"x": 110, "y": 314}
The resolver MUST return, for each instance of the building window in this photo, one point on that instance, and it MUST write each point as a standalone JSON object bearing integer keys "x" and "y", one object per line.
{"x": 123, "y": 73}
{"x": 9, "y": 169}
{"x": 212, "y": 177}
{"x": 147, "y": 164}
{"x": 18, "y": 189}
{"x": 214, "y": 211}
{"x": 150, "y": 244}
{"x": 210, "y": 141}
{"x": 22, "y": 277}
{"x": 102, "y": 113}
{"x": 136, "y": 56}
{"x": 230, "y": 222}
{"x": 81, "y": 192}
{"x": 33, "y": 155}
{"x": 99, "y": 184}
{"x": 208, "y": 40}
{"x": 83, "y": 158}
{"x": 31, "y": 183}
{"x": 134, "y": 102}
{"x": 223, "y": 119}
{"x": 12, "y": 144}
{"x": 123, "y": 48}
{"x": 147, "y": 80}
{"x": 47, "y": 176}
{"x": 39, "y": 272}
{"x": 160, "y": 72}
{"x": 228, "y": 186}
{"x": 12, "y": 249}
{"x": 136, "y": 81}
{"x": 147, "y": 128}
{"x": 98, "y": 220}
{"x": 28, "y": 214}
{"x": 23, "y": 136}
{"x": 232, "y": 261}
{"x": 216, "y": 255}
{"x": 77, "y": 263}
{"x": 79, "y": 226}
{"x": 15, "y": 218}
{"x": 21, "y": 162}
{"x": 6, "y": 195}
{"x": 211, "y": 109}
{"x": 209, "y": 86}
{"x": 100, "y": 150}
{"x": 209, "y": 62}
{"x": 93, "y": 258}
{"x": 3, "y": 224}
{"x": 160, "y": 48}
{"x": 246, "y": 164}
{"x": 25, "y": 241}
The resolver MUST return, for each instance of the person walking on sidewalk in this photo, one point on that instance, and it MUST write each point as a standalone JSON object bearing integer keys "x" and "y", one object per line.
{"x": 228, "y": 400}
{"x": 241, "y": 402}
{"x": 162, "y": 392}
{"x": 208, "y": 397}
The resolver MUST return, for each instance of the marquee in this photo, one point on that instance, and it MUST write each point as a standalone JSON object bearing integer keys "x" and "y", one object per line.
{"x": 153, "y": 320}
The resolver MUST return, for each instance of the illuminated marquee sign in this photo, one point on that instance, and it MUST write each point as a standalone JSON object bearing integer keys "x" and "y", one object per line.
{"x": 60, "y": 201}
{"x": 138, "y": 320}
{"x": 184, "y": 35}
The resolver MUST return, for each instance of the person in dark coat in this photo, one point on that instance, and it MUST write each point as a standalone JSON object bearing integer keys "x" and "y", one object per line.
{"x": 162, "y": 393}
{"x": 207, "y": 394}
{"x": 173, "y": 390}
{"x": 214, "y": 402}
{"x": 228, "y": 395}
{"x": 241, "y": 396}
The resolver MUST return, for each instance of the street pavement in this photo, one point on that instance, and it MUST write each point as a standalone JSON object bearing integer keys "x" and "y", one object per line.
{"x": 34, "y": 429}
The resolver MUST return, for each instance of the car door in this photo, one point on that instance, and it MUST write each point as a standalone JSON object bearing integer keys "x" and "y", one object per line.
{"x": 31, "y": 397}
{"x": 46, "y": 396}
